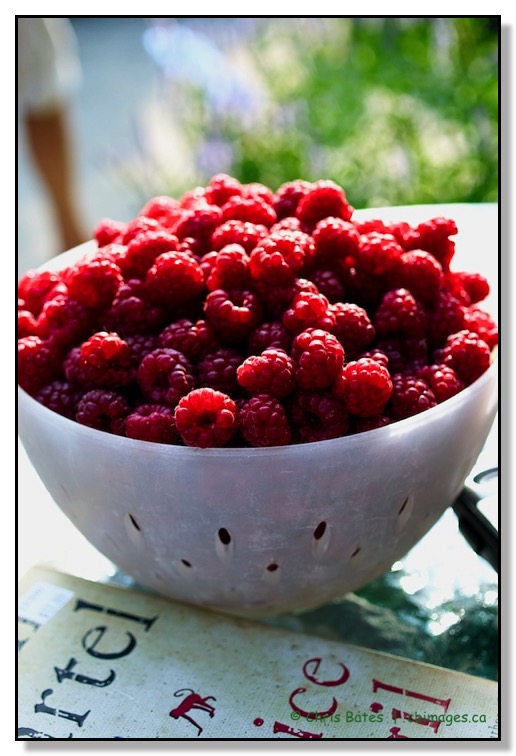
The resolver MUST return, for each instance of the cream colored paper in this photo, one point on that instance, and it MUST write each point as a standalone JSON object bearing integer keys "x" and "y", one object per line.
{"x": 101, "y": 662}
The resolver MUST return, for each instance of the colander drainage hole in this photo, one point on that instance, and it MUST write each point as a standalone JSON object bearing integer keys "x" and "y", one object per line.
{"x": 356, "y": 552}
{"x": 133, "y": 521}
{"x": 320, "y": 531}
{"x": 272, "y": 567}
{"x": 224, "y": 536}
{"x": 186, "y": 562}
{"x": 400, "y": 510}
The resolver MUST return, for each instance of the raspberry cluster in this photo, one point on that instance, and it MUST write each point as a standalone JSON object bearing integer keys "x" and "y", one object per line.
{"x": 239, "y": 316}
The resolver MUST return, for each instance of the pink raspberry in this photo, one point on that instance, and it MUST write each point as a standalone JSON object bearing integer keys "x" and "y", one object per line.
{"x": 317, "y": 416}
{"x": 443, "y": 381}
{"x": 378, "y": 254}
{"x": 248, "y": 235}
{"x": 270, "y": 334}
{"x": 353, "y": 327}
{"x": 174, "y": 279}
{"x": 107, "y": 231}
{"x": 271, "y": 372}
{"x": 39, "y": 363}
{"x": 105, "y": 361}
{"x": 94, "y": 283}
{"x": 143, "y": 250}
{"x": 253, "y": 210}
{"x": 230, "y": 269}
{"x": 206, "y": 418}
{"x": 364, "y": 386}
{"x": 336, "y": 241}
{"x": 323, "y": 199}
{"x": 165, "y": 210}
{"x": 410, "y": 396}
{"x": 152, "y": 422}
{"x": 164, "y": 376}
{"x": 194, "y": 340}
{"x": 308, "y": 310}
{"x": 264, "y": 422}
{"x": 287, "y": 197}
{"x": 481, "y": 323}
{"x": 103, "y": 410}
{"x": 218, "y": 370}
{"x": 61, "y": 397}
{"x": 467, "y": 354}
{"x": 400, "y": 315}
{"x": 318, "y": 357}
{"x": 233, "y": 314}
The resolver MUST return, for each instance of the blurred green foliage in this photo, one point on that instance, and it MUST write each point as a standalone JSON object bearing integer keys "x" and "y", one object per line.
{"x": 396, "y": 110}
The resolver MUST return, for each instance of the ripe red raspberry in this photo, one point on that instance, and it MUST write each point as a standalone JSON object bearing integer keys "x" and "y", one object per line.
{"x": 230, "y": 269}
{"x": 105, "y": 361}
{"x": 194, "y": 340}
{"x": 362, "y": 424}
{"x": 143, "y": 250}
{"x": 433, "y": 236}
{"x": 199, "y": 223}
{"x": 322, "y": 200}
{"x": 378, "y": 254}
{"x": 174, "y": 279}
{"x": 253, "y": 210}
{"x": 379, "y": 355}
{"x": 317, "y": 416}
{"x": 287, "y": 224}
{"x": 94, "y": 283}
{"x": 264, "y": 422}
{"x": 199, "y": 196}
{"x": 400, "y": 315}
{"x": 222, "y": 187}
{"x": 287, "y": 197}
{"x": 481, "y": 323}
{"x": 61, "y": 397}
{"x": 35, "y": 287}
{"x": 410, "y": 396}
{"x": 318, "y": 357}
{"x": 39, "y": 363}
{"x": 131, "y": 313}
{"x": 443, "y": 381}
{"x": 364, "y": 386}
{"x": 364, "y": 289}
{"x": 248, "y": 235}
{"x": 271, "y": 372}
{"x": 164, "y": 376}
{"x": 270, "y": 334}
{"x": 475, "y": 284}
{"x": 103, "y": 410}
{"x": 308, "y": 310}
{"x": 165, "y": 210}
{"x": 233, "y": 314}
{"x": 353, "y": 327}
{"x": 336, "y": 241}
{"x": 446, "y": 317}
{"x": 329, "y": 284}
{"x": 137, "y": 226}
{"x": 421, "y": 274}
{"x": 277, "y": 260}
{"x": 152, "y": 422}
{"x": 65, "y": 321}
{"x": 218, "y": 370}
{"x": 405, "y": 355}
{"x": 27, "y": 324}
{"x": 467, "y": 354}
{"x": 206, "y": 418}
{"x": 108, "y": 231}
{"x": 256, "y": 190}
{"x": 140, "y": 345}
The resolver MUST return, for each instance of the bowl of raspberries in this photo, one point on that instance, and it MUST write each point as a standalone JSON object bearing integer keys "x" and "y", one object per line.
{"x": 256, "y": 400}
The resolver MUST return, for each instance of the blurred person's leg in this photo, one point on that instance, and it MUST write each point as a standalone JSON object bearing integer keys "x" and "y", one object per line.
{"x": 48, "y": 73}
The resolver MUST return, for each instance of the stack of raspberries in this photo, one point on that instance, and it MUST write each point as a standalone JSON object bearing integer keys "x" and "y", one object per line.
{"x": 238, "y": 316}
